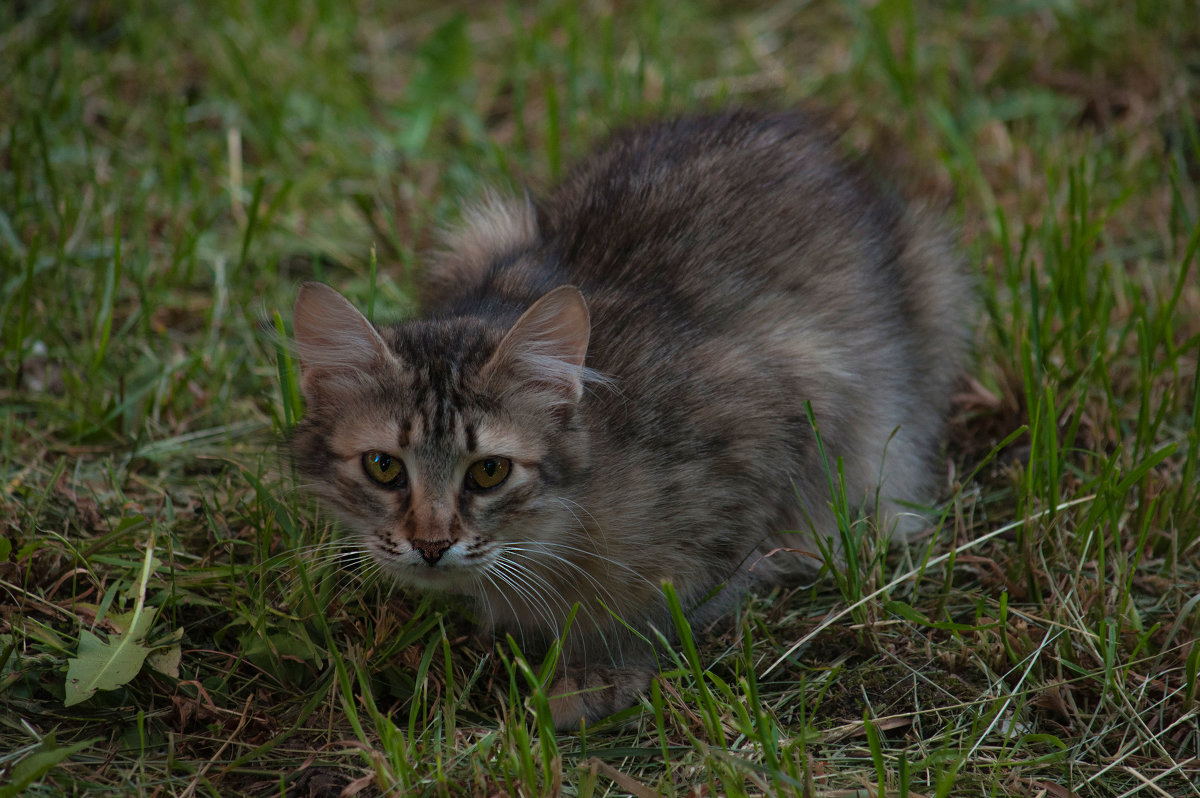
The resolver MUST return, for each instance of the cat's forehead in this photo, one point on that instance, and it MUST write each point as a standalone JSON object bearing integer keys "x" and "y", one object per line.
{"x": 391, "y": 420}
{"x": 430, "y": 395}
{"x": 441, "y": 355}
{"x": 438, "y": 429}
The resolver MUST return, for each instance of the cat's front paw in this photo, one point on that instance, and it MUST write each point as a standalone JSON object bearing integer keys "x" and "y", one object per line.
{"x": 589, "y": 694}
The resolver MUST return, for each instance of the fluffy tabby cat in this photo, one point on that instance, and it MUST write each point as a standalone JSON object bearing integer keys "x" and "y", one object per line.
{"x": 607, "y": 390}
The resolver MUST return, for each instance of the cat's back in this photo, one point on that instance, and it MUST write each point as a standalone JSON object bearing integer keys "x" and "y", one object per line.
{"x": 745, "y": 227}
{"x": 752, "y": 227}
{"x": 708, "y": 210}
{"x": 711, "y": 206}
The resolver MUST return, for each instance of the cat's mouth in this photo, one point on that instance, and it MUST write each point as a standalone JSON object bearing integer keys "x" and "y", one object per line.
{"x": 450, "y": 571}
{"x": 450, "y": 578}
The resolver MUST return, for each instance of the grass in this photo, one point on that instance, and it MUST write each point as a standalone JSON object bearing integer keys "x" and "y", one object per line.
{"x": 169, "y": 172}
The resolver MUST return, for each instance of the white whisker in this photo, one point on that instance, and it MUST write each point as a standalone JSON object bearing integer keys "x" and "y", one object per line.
{"x": 587, "y": 609}
{"x": 568, "y": 504}
{"x": 529, "y": 554}
{"x": 596, "y": 555}
{"x": 522, "y": 580}
{"x": 511, "y": 608}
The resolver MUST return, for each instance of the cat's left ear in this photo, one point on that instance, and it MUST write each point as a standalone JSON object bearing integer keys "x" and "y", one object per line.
{"x": 547, "y": 345}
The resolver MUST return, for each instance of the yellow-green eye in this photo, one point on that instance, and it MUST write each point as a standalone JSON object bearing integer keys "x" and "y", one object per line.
{"x": 384, "y": 468}
{"x": 487, "y": 473}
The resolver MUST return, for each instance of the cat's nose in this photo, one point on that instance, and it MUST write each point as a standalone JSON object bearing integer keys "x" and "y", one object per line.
{"x": 431, "y": 550}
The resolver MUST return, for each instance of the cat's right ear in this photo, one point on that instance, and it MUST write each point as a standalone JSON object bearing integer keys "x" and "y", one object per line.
{"x": 547, "y": 345}
{"x": 336, "y": 343}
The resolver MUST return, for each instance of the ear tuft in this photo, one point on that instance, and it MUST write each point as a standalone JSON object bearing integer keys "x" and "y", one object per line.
{"x": 547, "y": 345}
{"x": 336, "y": 343}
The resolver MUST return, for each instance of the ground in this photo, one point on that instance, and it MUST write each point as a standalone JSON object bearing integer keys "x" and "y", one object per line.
{"x": 176, "y": 618}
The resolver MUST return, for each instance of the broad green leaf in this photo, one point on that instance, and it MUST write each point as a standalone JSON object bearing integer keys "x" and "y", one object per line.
{"x": 107, "y": 666}
{"x": 167, "y": 655}
{"x": 102, "y": 666}
{"x": 167, "y": 660}
{"x": 137, "y": 625}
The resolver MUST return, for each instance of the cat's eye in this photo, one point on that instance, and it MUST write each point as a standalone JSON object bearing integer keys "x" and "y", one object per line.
{"x": 487, "y": 473}
{"x": 384, "y": 468}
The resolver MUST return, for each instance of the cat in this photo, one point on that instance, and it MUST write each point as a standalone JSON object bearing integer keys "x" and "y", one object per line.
{"x": 608, "y": 389}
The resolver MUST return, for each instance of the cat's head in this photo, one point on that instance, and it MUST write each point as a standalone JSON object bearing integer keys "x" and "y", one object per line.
{"x": 443, "y": 444}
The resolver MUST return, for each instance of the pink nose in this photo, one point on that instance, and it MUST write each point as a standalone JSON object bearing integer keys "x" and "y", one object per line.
{"x": 431, "y": 550}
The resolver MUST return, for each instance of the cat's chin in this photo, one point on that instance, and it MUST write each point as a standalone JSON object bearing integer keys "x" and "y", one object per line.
{"x": 444, "y": 580}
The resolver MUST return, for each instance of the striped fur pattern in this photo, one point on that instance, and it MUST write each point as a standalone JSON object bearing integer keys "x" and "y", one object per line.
{"x": 638, "y": 349}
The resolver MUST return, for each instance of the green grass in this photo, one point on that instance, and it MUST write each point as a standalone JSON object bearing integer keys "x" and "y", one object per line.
{"x": 169, "y": 173}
